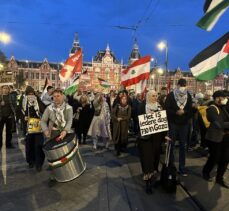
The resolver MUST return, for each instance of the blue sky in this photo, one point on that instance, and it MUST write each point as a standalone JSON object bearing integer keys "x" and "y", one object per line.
{"x": 45, "y": 28}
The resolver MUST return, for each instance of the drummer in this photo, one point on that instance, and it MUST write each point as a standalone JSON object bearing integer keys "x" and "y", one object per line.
{"x": 57, "y": 120}
{"x": 32, "y": 108}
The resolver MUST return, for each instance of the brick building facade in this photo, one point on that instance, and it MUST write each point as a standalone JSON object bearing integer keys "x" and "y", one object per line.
{"x": 106, "y": 66}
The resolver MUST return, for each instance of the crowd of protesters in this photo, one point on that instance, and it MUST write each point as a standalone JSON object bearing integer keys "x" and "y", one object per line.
{"x": 199, "y": 119}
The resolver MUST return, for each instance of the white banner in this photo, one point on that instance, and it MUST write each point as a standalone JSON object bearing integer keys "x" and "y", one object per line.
{"x": 153, "y": 123}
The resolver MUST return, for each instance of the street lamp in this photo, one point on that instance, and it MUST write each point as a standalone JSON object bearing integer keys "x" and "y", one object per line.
{"x": 161, "y": 46}
{"x": 160, "y": 72}
{"x": 5, "y": 38}
{"x": 152, "y": 80}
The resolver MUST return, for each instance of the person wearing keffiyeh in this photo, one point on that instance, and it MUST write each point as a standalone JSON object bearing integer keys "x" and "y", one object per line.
{"x": 178, "y": 106}
{"x": 32, "y": 107}
{"x": 100, "y": 124}
{"x": 57, "y": 118}
{"x": 57, "y": 121}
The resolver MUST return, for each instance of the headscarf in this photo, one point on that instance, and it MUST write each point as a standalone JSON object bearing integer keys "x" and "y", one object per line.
{"x": 151, "y": 106}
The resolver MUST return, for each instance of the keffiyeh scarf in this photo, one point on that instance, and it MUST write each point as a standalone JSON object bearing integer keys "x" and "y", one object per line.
{"x": 181, "y": 98}
{"x": 59, "y": 113}
{"x": 30, "y": 101}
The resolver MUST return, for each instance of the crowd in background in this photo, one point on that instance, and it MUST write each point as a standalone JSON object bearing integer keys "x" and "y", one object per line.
{"x": 194, "y": 119}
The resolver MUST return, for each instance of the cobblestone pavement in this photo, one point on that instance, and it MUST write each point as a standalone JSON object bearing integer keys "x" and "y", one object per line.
{"x": 108, "y": 183}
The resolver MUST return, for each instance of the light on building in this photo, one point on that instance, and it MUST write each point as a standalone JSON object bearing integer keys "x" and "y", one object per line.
{"x": 160, "y": 71}
{"x": 1, "y": 66}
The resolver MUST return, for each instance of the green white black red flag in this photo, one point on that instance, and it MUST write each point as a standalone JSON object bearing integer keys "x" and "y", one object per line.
{"x": 104, "y": 83}
{"x": 211, "y": 61}
{"x": 213, "y": 9}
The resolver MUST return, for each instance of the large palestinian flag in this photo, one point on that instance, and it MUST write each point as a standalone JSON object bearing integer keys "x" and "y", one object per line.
{"x": 211, "y": 61}
{"x": 213, "y": 9}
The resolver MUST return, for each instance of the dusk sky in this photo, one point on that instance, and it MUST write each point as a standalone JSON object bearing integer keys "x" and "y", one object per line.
{"x": 45, "y": 29}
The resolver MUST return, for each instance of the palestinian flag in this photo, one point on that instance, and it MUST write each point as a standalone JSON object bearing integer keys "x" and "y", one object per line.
{"x": 104, "y": 83}
{"x": 213, "y": 9}
{"x": 211, "y": 61}
{"x": 72, "y": 65}
{"x": 47, "y": 83}
{"x": 136, "y": 72}
{"x": 73, "y": 87}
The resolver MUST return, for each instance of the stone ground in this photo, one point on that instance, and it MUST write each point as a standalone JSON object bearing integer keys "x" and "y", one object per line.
{"x": 109, "y": 183}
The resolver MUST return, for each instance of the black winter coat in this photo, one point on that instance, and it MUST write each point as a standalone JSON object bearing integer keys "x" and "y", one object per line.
{"x": 171, "y": 109}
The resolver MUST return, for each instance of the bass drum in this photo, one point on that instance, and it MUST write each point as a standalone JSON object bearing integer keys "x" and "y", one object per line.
{"x": 64, "y": 158}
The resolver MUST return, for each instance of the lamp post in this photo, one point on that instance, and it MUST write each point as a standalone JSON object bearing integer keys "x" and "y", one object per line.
{"x": 152, "y": 81}
{"x": 160, "y": 72}
{"x": 29, "y": 73}
{"x": 161, "y": 46}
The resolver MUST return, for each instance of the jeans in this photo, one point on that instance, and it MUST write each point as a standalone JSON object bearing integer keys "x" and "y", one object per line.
{"x": 179, "y": 132}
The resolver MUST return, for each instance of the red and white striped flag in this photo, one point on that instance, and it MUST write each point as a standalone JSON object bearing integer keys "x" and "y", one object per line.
{"x": 137, "y": 72}
{"x": 72, "y": 65}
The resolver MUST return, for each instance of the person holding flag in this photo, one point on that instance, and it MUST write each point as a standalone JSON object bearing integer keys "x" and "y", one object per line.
{"x": 72, "y": 65}
{"x": 137, "y": 74}
{"x": 47, "y": 98}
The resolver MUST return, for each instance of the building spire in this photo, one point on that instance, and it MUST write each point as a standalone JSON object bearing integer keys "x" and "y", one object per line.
{"x": 135, "y": 55}
{"x": 108, "y": 48}
{"x": 75, "y": 45}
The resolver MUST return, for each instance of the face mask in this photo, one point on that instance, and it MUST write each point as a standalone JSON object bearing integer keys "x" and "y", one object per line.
{"x": 182, "y": 88}
{"x": 224, "y": 102}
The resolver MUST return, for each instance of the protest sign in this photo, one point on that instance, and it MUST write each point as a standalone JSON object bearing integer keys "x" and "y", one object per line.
{"x": 151, "y": 123}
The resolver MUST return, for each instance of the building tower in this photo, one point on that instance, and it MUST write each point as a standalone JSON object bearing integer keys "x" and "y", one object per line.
{"x": 75, "y": 45}
{"x": 135, "y": 55}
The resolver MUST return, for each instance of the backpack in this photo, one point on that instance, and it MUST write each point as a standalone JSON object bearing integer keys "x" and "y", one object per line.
{"x": 168, "y": 177}
{"x": 203, "y": 112}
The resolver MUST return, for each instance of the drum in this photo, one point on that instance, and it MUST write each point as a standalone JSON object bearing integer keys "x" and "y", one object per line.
{"x": 34, "y": 125}
{"x": 64, "y": 158}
